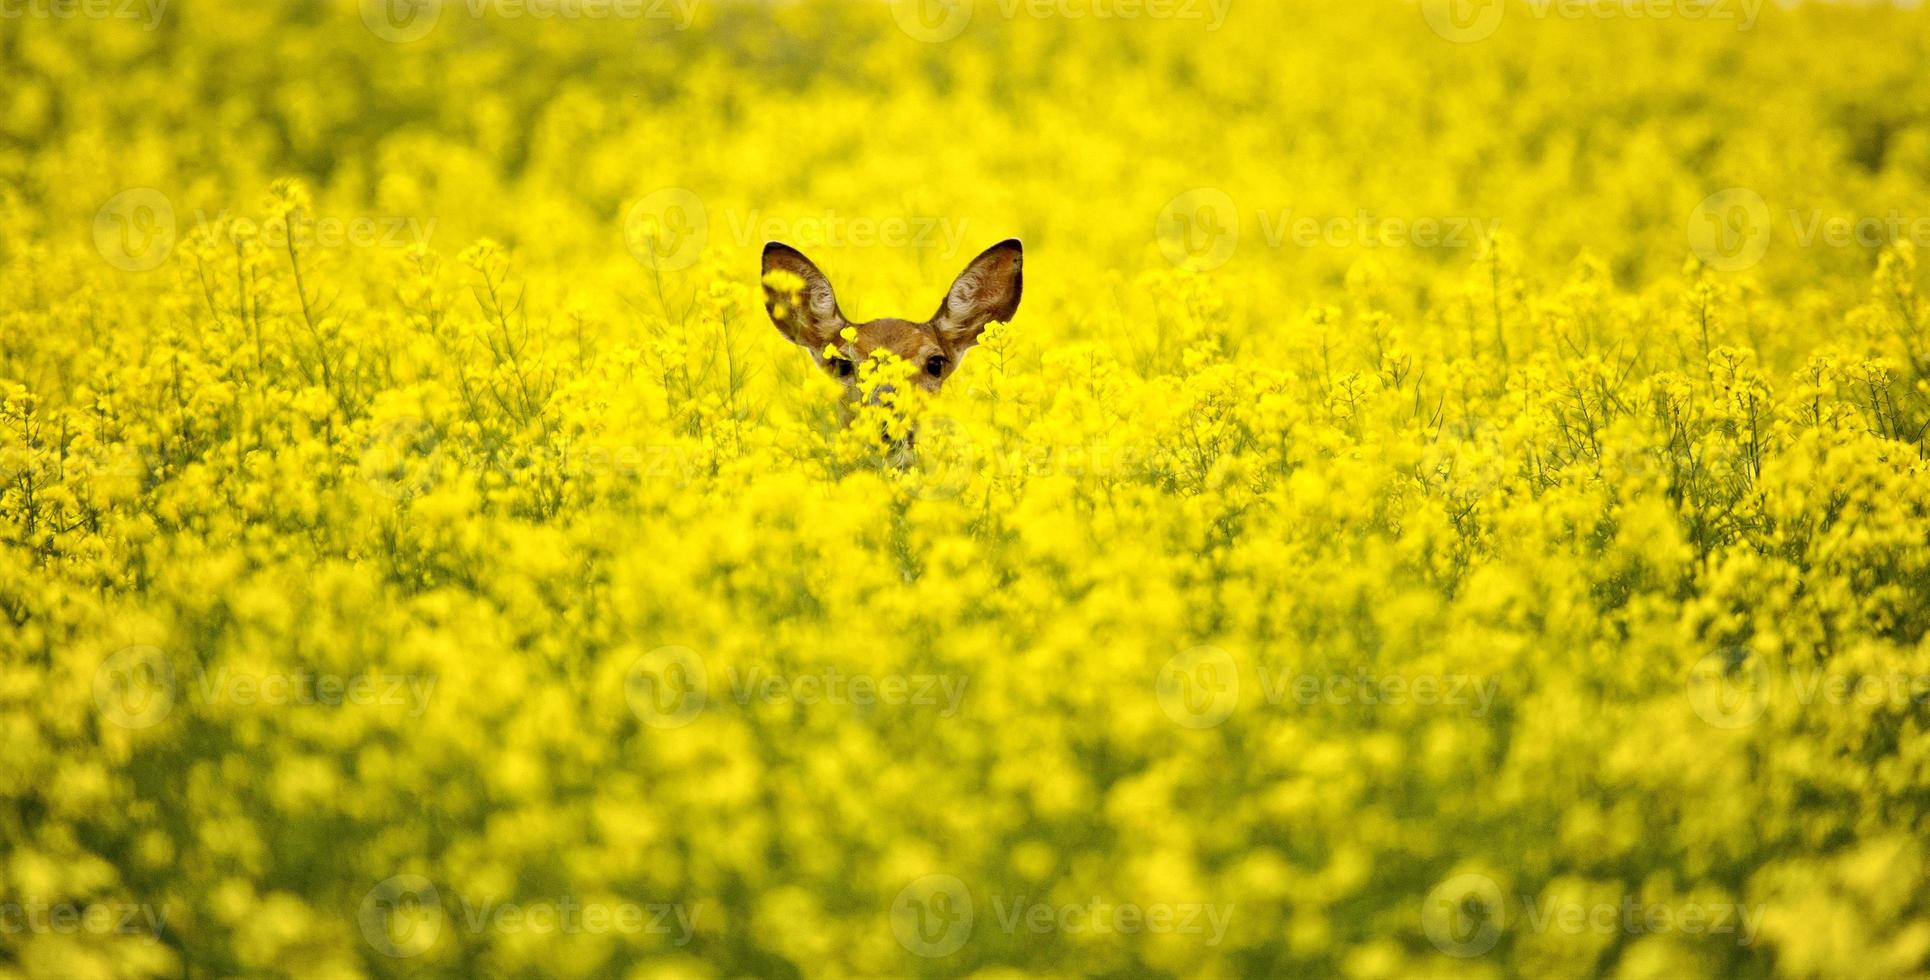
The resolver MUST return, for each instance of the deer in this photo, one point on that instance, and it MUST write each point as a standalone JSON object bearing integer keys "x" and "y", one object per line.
{"x": 805, "y": 309}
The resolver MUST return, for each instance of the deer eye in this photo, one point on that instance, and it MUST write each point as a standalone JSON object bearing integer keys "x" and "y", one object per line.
{"x": 842, "y": 368}
{"x": 935, "y": 365}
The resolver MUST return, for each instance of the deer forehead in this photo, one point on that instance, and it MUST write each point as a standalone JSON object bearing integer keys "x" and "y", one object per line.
{"x": 911, "y": 341}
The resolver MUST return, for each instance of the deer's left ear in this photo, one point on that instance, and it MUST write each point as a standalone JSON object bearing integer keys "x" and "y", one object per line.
{"x": 806, "y": 311}
{"x": 986, "y": 292}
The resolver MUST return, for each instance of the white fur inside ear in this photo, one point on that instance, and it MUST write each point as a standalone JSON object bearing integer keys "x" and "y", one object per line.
{"x": 824, "y": 305}
{"x": 965, "y": 291}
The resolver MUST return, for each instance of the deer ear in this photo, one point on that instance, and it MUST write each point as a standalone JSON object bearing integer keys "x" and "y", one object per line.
{"x": 799, "y": 299}
{"x": 987, "y": 291}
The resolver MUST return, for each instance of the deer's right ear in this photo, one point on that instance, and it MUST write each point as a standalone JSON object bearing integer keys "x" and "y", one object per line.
{"x": 799, "y": 298}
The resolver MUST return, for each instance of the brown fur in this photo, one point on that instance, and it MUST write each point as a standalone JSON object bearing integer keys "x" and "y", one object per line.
{"x": 987, "y": 291}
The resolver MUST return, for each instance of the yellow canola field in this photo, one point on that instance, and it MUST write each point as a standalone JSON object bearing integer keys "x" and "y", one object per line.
{"x": 1452, "y": 502}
